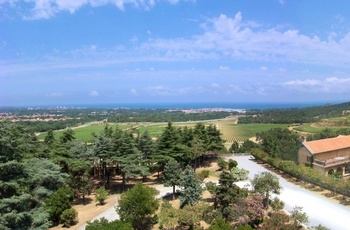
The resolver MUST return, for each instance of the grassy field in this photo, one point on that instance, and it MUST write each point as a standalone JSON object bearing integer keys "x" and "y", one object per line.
{"x": 312, "y": 128}
{"x": 228, "y": 127}
{"x": 85, "y": 133}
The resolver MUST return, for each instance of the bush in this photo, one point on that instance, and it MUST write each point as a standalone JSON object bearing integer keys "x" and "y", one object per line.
{"x": 58, "y": 202}
{"x": 68, "y": 217}
{"x": 245, "y": 227}
{"x": 222, "y": 163}
{"x": 277, "y": 204}
{"x": 220, "y": 224}
{"x": 101, "y": 195}
{"x": 203, "y": 174}
{"x": 138, "y": 204}
{"x": 231, "y": 164}
{"x": 300, "y": 216}
{"x": 103, "y": 224}
{"x": 319, "y": 227}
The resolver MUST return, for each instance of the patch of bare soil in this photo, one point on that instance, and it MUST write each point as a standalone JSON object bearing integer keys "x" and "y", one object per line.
{"x": 90, "y": 210}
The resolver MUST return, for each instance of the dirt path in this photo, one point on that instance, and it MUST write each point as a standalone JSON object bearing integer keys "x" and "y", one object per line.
{"x": 89, "y": 211}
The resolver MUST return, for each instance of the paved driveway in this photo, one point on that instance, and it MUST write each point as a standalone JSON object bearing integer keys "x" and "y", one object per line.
{"x": 319, "y": 209}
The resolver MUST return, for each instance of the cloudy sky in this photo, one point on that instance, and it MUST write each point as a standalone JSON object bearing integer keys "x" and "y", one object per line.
{"x": 146, "y": 51}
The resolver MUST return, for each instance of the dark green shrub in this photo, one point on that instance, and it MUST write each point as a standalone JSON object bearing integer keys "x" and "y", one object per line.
{"x": 222, "y": 163}
{"x": 220, "y": 224}
{"x": 277, "y": 204}
{"x": 245, "y": 227}
{"x": 58, "y": 202}
{"x": 231, "y": 164}
{"x": 68, "y": 217}
{"x": 103, "y": 224}
{"x": 101, "y": 195}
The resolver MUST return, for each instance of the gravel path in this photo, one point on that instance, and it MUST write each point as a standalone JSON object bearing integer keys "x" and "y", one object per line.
{"x": 320, "y": 209}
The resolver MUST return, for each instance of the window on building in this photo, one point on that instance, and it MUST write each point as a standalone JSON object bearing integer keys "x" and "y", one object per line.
{"x": 347, "y": 169}
{"x": 330, "y": 172}
{"x": 340, "y": 171}
{"x": 309, "y": 159}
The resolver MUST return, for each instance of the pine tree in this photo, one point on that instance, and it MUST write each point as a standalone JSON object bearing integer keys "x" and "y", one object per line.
{"x": 172, "y": 175}
{"x": 191, "y": 187}
{"x": 228, "y": 194}
{"x": 129, "y": 158}
{"x": 103, "y": 153}
{"x": 50, "y": 138}
{"x": 24, "y": 183}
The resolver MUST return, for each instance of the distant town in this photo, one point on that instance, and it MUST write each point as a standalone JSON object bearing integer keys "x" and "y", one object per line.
{"x": 35, "y": 114}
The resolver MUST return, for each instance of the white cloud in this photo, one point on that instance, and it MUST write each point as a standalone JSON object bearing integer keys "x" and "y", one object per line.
{"x": 133, "y": 92}
{"x": 173, "y": 91}
{"x": 44, "y": 9}
{"x": 173, "y": 1}
{"x": 94, "y": 93}
{"x": 134, "y": 39}
{"x": 263, "y": 68}
{"x": 225, "y": 37}
{"x": 327, "y": 85}
{"x": 160, "y": 90}
{"x": 223, "y": 68}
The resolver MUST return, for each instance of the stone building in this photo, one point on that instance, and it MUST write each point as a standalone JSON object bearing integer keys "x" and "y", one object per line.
{"x": 327, "y": 156}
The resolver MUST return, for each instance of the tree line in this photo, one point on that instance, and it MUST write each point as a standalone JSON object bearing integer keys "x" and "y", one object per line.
{"x": 294, "y": 115}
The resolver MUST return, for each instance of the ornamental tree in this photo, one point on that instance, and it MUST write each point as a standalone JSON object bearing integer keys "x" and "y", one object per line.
{"x": 266, "y": 183}
{"x": 137, "y": 205}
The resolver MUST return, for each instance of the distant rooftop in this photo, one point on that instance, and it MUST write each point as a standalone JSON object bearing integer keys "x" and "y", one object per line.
{"x": 329, "y": 144}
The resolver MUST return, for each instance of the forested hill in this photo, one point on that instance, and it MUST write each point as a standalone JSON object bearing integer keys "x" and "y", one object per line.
{"x": 296, "y": 115}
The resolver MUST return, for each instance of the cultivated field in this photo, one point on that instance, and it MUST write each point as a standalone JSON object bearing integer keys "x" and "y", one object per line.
{"x": 231, "y": 131}
{"x": 334, "y": 124}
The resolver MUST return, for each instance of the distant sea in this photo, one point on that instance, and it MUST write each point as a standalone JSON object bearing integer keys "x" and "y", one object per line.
{"x": 199, "y": 105}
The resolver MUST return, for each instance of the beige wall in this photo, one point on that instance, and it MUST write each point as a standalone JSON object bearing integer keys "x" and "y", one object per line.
{"x": 303, "y": 153}
{"x": 332, "y": 154}
{"x": 319, "y": 169}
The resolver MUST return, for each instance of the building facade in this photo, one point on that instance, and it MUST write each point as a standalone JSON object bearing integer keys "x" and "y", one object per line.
{"x": 328, "y": 156}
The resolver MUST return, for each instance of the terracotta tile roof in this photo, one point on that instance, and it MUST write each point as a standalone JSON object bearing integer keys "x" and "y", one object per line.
{"x": 326, "y": 145}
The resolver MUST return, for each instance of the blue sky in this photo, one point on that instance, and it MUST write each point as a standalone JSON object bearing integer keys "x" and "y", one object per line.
{"x": 147, "y": 51}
